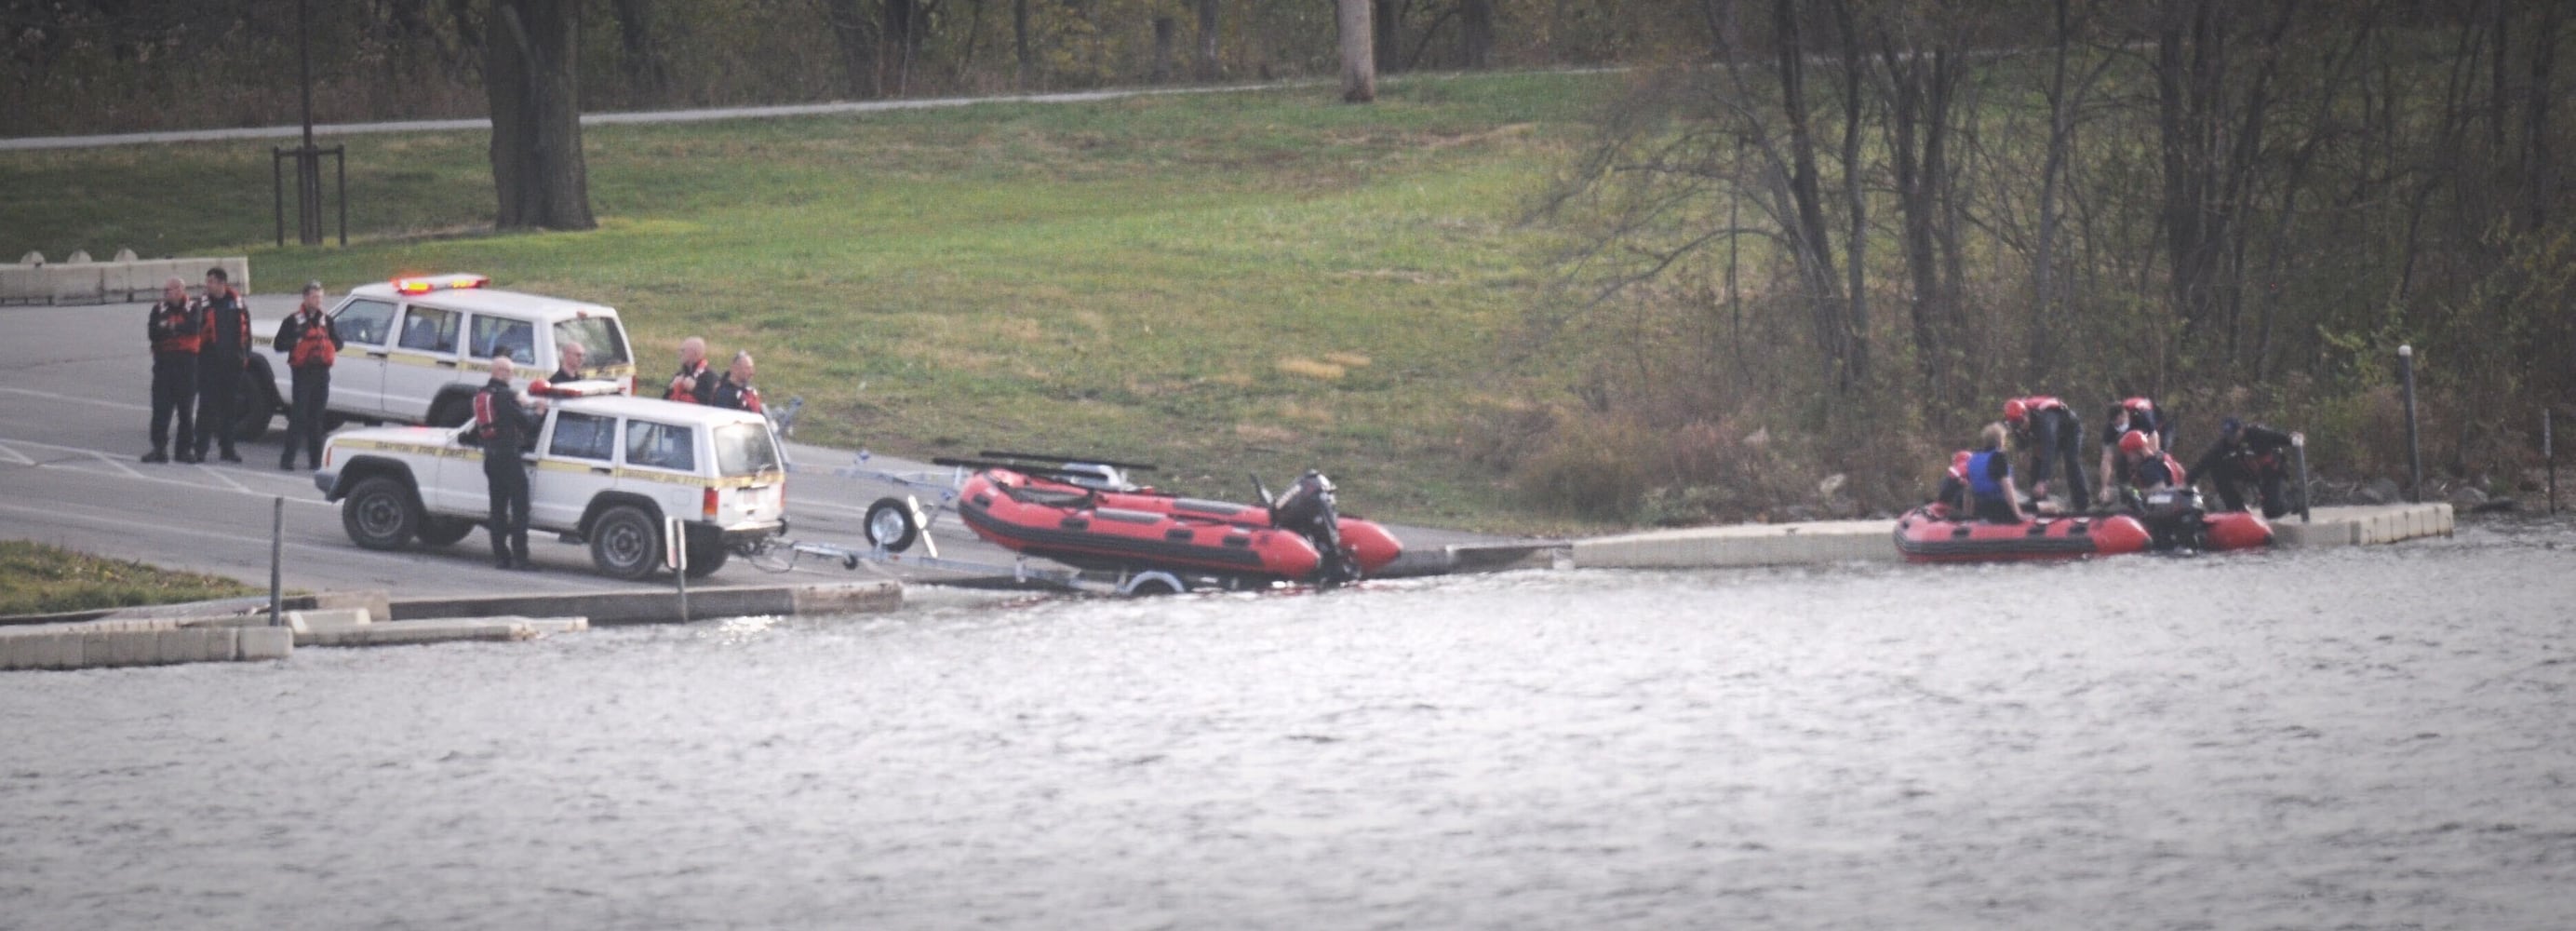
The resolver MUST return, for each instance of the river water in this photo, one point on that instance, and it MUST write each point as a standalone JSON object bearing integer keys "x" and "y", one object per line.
{"x": 2358, "y": 738}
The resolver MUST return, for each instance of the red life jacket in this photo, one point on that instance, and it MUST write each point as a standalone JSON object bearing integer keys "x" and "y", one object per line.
{"x": 1959, "y": 464}
{"x": 314, "y": 347}
{"x": 172, "y": 322}
{"x": 485, "y": 421}
{"x": 2042, "y": 402}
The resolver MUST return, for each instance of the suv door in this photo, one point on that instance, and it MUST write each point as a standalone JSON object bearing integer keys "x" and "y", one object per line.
{"x": 576, "y": 463}
{"x": 662, "y": 463}
{"x": 366, "y": 328}
{"x": 422, "y": 361}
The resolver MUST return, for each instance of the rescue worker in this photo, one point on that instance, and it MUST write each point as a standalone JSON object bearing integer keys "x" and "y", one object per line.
{"x": 506, "y": 430}
{"x": 1991, "y": 492}
{"x": 2247, "y": 454}
{"x": 2135, "y": 413}
{"x": 173, "y": 329}
{"x": 695, "y": 384}
{"x": 1952, "y": 500}
{"x": 2055, "y": 435}
{"x": 568, "y": 363}
{"x": 311, "y": 346}
{"x": 223, "y": 353}
{"x": 2149, "y": 468}
{"x": 736, "y": 391}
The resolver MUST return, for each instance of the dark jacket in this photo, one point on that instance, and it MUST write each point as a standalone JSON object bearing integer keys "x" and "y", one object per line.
{"x": 704, "y": 393}
{"x": 2253, "y": 441}
{"x": 226, "y": 332}
{"x": 506, "y": 428}
{"x": 174, "y": 328}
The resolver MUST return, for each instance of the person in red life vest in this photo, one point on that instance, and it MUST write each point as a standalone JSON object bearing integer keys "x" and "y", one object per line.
{"x": 506, "y": 431}
{"x": 696, "y": 384}
{"x": 736, "y": 391}
{"x": 311, "y": 346}
{"x": 2150, "y": 468}
{"x": 223, "y": 353}
{"x": 2055, "y": 436}
{"x": 2248, "y": 454}
{"x": 2128, "y": 414}
{"x": 173, "y": 329}
{"x": 1951, "y": 500}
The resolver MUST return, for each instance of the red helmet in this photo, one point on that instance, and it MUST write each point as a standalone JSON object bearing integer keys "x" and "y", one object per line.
{"x": 2134, "y": 443}
{"x": 539, "y": 388}
{"x": 2016, "y": 411}
{"x": 1959, "y": 464}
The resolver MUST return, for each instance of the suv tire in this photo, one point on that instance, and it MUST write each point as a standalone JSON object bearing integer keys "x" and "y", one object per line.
{"x": 444, "y": 531}
{"x": 626, "y": 543}
{"x": 451, "y": 410}
{"x": 254, "y": 404}
{"x": 705, "y": 557}
{"x": 379, "y": 514}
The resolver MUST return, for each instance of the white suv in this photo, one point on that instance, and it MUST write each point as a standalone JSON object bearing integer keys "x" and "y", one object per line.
{"x": 608, "y": 471}
{"x": 414, "y": 350}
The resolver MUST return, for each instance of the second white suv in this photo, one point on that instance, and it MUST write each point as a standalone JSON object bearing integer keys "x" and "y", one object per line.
{"x": 414, "y": 350}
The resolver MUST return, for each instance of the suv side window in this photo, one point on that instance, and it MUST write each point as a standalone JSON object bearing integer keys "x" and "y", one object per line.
{"x": 500, "y": 336}
{"x": 583, "y": 436}
{"x": 364, "y": 321}
{"x": 429, "y": 329}
{"x": 660, "y": 446}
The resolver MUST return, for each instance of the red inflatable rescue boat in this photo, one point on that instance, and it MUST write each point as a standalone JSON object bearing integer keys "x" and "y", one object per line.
{"x": 1063, "y": 514}
{"x": 1927, "y": 534}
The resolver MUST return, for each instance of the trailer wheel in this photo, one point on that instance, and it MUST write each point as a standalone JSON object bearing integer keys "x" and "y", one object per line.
{"x": 890, "y": 524}
{"x": 1154, "y": 583}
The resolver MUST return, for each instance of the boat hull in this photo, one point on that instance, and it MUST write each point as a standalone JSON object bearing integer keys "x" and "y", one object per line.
{"x": 1142, "y": 531}
{"x": 1923, "y": 535}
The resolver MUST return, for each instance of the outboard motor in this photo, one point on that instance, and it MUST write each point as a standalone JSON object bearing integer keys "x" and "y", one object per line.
{"x": 1307, "y": 508}
{"x": 2173, "y": 517}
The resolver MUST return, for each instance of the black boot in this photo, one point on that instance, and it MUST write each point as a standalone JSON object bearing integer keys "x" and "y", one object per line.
{"x": 157, "y": 455}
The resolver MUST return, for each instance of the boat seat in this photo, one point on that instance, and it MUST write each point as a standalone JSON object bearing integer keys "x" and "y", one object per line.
{"x": 1047, "y": 497}
{"x": 1123, "y": 515}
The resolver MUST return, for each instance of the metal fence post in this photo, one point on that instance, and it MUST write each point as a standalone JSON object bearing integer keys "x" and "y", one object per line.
{"x": 2299, "y": 451}
{"x": 276, "y": 559}
{"x": 2414, "y": 451}
{"x": 2549, "y": 453}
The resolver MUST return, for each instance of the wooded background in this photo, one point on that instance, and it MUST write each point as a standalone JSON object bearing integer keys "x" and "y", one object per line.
{"x": 1814, "y": 238}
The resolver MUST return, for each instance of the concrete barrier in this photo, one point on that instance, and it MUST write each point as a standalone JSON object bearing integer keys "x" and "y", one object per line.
{"x": 117, "y": 282}
{"x": 659, "y": 607}
{"x": 84, "y": 646}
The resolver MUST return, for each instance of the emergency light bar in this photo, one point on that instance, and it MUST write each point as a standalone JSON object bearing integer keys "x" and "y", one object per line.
{"x": 424, "y": 285}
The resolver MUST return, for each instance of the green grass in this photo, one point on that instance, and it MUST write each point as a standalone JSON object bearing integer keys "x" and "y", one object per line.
{"x": 39, "y": 579}
{"x": 1220, "y": 282}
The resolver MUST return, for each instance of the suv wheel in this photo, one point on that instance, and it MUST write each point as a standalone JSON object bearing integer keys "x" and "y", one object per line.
{"x": 706, "y": 557}
{"x": 379, "y": 514}
{"x": 626, "y": 544}
{"x": 451, "y": 411}
{"x": 442, "y": 531}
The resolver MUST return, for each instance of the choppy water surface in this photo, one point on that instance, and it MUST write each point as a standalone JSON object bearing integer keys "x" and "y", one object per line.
{"x": 2355, "y": 738}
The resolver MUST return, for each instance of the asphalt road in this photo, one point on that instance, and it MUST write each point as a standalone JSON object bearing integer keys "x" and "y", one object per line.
{"x": 75, "y": 393}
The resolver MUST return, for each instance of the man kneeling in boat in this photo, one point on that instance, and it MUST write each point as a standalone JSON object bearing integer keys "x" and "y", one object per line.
{"x": 2149, "y": 468}
{"x": 1984, "y": 481}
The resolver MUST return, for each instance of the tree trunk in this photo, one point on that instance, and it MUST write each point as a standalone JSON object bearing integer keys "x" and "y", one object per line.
{"x": 1855, "y": 335}
{"x": 850, "y": 32}
{"x": 647, "y": 76}
{"x": 1208, "y": 35}
{"x": 2539, "y": 169}
{"x": 1809, "y": 241}
{"x": 1020, "y": 43}
{"x": 1384, "y": 17}
{"x": 532, "y": 73}
{"x": 1164, "y": 28}
{"x": 897, "y": 41}
{"x": 1476, "y": 34}
{"x": 1359, "y": 60}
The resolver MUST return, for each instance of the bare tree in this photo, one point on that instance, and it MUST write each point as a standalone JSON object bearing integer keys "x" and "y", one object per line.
{"x": 1208, "y": 35}
{"x": 532, "y": 73}
{"x": 648, "y": 77}
{"x": 857, "y": 43}
{"x": 1359, "y": 61}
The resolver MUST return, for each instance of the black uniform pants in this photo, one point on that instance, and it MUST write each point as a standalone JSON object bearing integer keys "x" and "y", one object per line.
{"x": 509, "y": 523}
{"x": 304, "y": 415}
{"x": 174, "y": 393}
{"x": 2060, "y": 438}
{"x": 218, "y": 394}
{"x": 2231, "y": 475}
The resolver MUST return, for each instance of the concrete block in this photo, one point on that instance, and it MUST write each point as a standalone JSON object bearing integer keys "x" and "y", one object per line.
{"x": 850, "y": 598}
{"x": 18, "y": 652}
{"x": 328, "y": 617}
{"x": 72, "y": 284}
{"x": 59, "y": 650}
{"x": 134, "y": 648}
{"x": 263, "y": 643}
{"x": 404, "y": 633}
{"x": 21, "y": 284}
{"x": 98, "y": 648}
{"x": 378, "y": 603}
{"x": 546, "y": 626}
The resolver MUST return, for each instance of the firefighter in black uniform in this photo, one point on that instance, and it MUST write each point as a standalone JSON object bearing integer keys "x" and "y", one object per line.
{"x": 173, "y": 329}
{"x": 310, "y": 345}
{"x": 2247, "y": 454}
{"x": 506, "y": 430}
{"x": 223, "y": 353}
{"x": 736, "y": 391}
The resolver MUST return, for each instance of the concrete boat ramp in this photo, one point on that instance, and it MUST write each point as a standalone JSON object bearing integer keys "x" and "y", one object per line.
{"x": 232, "y": 631}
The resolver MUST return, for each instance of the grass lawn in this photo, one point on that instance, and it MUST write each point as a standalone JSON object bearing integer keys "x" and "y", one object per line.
{"x": 39, "y": 579}
{"x": 1259, "y": 281}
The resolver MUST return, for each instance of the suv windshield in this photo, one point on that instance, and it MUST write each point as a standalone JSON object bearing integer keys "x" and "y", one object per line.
{"x": 602, "y": 343}
{"x": 745, "y": 449}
